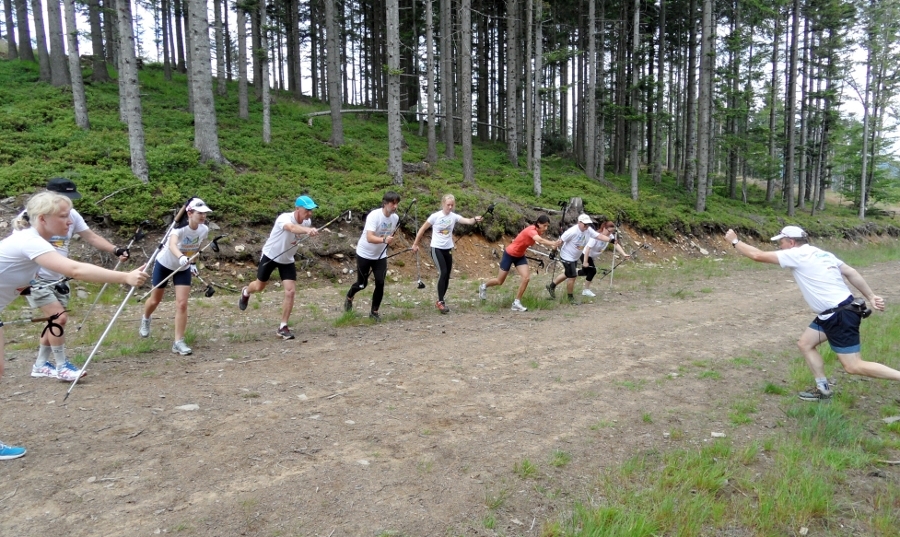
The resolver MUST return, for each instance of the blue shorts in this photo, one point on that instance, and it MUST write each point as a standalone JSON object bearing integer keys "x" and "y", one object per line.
{"x": 160, "y": 273}
{"x": 842, "y": 331}
{"x": 507, "y": 261}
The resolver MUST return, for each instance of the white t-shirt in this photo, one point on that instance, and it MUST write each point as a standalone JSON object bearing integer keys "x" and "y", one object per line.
{"x": 818, "y": 274}
{"x": 442, "y": 229}
{"x": 61, "y": 243}
{"x": 573, "y": 242}
{"x": 17, "y": 265}
{"x": 189, "y": 241}
{"x": 279, "y": 241}
{"x": 381, "y": 225}
{"x": 595, "y": 247}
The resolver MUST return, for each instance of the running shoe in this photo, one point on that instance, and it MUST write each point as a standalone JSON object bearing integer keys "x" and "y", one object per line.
{"x": 69, "y": 372}
{"x": 10, "y": 452}
{"x": 551, "y": 289}
{"x": 815, "y": 394}
{"x": 180, "y": 347}
{"x": 588, "y": 292}
{"x": 482, "y": 291}
{"x": 285, "y": 333}
{"x": 517, "y": 306}
{"x": 244, "y": 299}
{"x": 442, "y": 307}
{"x": 348, "y": 304}
{"x": 145, "y": 328}
{"x": 375, "y": 316}
{"x": 47, "y": 370}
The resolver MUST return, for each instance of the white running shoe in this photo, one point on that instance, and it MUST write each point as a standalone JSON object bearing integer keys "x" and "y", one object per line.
{"x": 144, "y": 331}
{"x": 517, "y": 306}
{"x": 180, "y": 347}
{"x": 69, "y": 372}
{"x": 587, "y": 292}
{"x": 47, "y": 370}
{"x": 482, "y": 291}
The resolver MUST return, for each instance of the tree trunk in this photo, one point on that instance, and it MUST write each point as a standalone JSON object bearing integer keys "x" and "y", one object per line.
{"x": 538, "y": 82}
{"x": 707, "y": 44}
{"x": 41, "y": 37}
{"x": 263, "y": 59}
{"x": 78, "y": 96}
{"x": 447, "y": 78}
{"x": 59, "y": 70}
{"x": 166, "y": 33}
{"x": 770, "y": 179}
{"x": 690, "y": 114}
{"x": 636, "y": 121}
{"x": 243, "y": 105}
{"x": 465, "y": 89}
{"x": 395, "y": 135}
{"x": 206, "y": 133}
{"x": 12, "y": 47}
{"x": 590, "y": 126}
{"x": 99, "y": 72}
{"x": 221, "y": 87}
{"x": 601, "y": 123}
{"x": 512, "y": 82}
{"x": 529, "y": 95}
{"x": 660, "y": 87}
{"x": 431, "y": 157}
{"x": 334, "y": 73}
{"x": 25, "y": 51}
{"x": 790, "y": 110}
{"x": 129, "y": 88}
{"x": 178, "y": 12}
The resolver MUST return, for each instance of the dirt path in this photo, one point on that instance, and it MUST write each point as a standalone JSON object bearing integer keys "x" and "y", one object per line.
{"x": 410, "y": 426}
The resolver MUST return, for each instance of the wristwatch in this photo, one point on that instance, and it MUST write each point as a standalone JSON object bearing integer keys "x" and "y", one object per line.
{"x": 734, "y": 242}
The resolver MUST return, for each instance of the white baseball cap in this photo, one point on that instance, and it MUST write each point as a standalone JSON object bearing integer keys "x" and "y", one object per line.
{"x": 585, "y": 219}
{"x": 199, "y": 205}
{"x": 790, "y": 232}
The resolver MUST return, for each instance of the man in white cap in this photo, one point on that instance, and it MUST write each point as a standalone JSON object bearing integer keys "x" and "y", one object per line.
{"x": 820, "y": 276}
{"x": 573, "y": 241}
{"x": 51, "y": 295}
{"x": 278, "y": 252}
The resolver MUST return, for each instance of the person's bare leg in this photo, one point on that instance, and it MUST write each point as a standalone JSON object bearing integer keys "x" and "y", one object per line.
{"x": 501, "y": 277}
{"x": 182, "y": 293}
{"x": 256, "y": 286}
{"x": 809, "y": 340}
{"x": 287, "y": 306}
{"x": 525, "y": 275}
{"x": 855, "y": 365}
{"x": 153, "y": 301}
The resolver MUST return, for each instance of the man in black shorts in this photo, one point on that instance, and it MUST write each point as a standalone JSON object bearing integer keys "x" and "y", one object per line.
{"x": 820, "y": 276}
{"x": 278, "y": 252}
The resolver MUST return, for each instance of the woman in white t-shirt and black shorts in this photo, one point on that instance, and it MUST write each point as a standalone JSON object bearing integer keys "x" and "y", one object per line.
{"x": 183, "y": 243}
{"x": 442, "y": 223}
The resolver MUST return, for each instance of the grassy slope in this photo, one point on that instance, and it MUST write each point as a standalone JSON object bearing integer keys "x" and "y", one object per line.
{"x": 38, "y": 140}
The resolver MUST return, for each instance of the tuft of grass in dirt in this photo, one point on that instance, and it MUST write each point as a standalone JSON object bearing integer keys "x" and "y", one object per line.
{"x": 525, "y": 469}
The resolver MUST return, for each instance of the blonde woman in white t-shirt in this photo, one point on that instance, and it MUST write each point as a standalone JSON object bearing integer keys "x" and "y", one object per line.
{"x": 22, "y": 254}
{"x": 442, "y": 224}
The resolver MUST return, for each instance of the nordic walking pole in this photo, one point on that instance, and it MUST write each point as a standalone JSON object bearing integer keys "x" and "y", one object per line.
{"x": 215, "y": 246}
{"x": 138, "y": 235}
{"x": 112, "y": 321}
{"x": 419, "y": 283}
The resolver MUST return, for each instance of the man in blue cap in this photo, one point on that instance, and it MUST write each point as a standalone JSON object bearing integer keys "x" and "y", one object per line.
{"x": 278, "y": 252}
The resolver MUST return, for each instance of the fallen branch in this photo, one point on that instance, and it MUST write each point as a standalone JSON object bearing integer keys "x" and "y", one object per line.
{"x": 254, "y": 360}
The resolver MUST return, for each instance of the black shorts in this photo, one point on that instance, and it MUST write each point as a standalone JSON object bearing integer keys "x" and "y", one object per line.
{"x": 160, "y": 273}
{"x": 287, "y": 271}
{"x": 507, "y": 261}
{"x": 842, "y": 331}
{"x": 570, "y": 267}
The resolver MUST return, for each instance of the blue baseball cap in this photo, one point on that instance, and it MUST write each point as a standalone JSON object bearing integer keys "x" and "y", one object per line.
{"x": 306, "y": 202}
